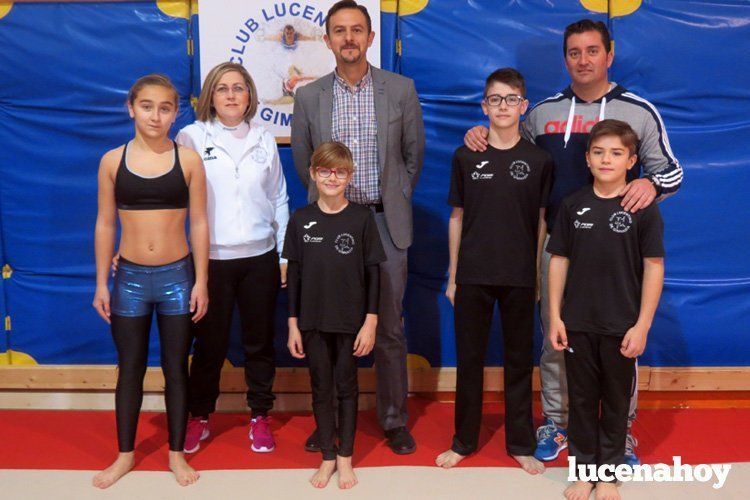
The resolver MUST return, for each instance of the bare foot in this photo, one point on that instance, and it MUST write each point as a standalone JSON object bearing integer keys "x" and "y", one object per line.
{"x": 448, "y": 459}
{"x": 607, "y": 491}
{"x": 320, "y": 479}
{"x": 347, "y": 478}
{"x": 529, "y": 464}
{"x": 580, "y": 490}
{"x": 111, "y": 474}
{"x": 184, "y": 474}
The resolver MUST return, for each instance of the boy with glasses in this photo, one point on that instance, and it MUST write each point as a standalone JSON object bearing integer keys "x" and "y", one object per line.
{"x": 377, "y": 115}
{"x": 498, "y": 197}
{"x": 334, "y": 251}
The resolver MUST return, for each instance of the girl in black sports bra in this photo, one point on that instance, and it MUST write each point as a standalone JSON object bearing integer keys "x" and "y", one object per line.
{"x": 136, "y": 192}
{"x": 150, "y": 184}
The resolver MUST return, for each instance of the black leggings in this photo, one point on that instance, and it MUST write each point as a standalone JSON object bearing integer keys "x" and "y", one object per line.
{"x": 131, "y": 336}
{"x": 333, "y": 364}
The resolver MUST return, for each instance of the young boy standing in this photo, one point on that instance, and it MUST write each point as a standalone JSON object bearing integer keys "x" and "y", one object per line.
{"x": 498, "y": 197}
{"x": 333, "y": 247}
{"x": 605, "y": 280}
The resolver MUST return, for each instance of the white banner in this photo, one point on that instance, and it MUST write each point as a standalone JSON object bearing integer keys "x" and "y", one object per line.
{"x": 281, "y": 45}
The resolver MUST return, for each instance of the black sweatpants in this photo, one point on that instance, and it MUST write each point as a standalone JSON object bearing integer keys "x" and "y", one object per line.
{"x": 131, "y": 336}
{"x": 600, "y": 383}
{"x": 253, "y": 284}
{"x": 474, "y": 305}
{"x": 333, "y": 370}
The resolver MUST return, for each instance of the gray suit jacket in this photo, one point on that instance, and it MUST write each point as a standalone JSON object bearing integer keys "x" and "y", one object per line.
{"x": 400, "y": 141}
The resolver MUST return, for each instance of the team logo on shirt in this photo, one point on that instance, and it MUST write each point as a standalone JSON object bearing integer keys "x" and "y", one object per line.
{"x": 312, "y": 239}
{"x": 344, "y": 243}
{"x": 480, "y": 165}
{"x": 580, "y": 212}
{"x": 519, "y": 170}
{"x": 477, "y": 176}
{"x": 310, "y": 224}
{"x": 620, "y": 222}
{"x": 583, "y": 225}
{"x": 207, "y": 154}
{"x": 258, "y": 154}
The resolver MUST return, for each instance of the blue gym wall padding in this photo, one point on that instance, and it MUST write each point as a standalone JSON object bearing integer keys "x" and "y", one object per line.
{"x": 67, "y": 68}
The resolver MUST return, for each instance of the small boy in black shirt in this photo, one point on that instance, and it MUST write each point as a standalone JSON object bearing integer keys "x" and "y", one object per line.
{"x": 333, "y": 247}
{"x": 605, "y": 280}
{"x": 498, "y": 197}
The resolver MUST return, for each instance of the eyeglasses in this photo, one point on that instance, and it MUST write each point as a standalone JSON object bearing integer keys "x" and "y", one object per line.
{"x": 495, "y": 100}
{"x": 326, "y": 172}
{"x": 236, "y": 89}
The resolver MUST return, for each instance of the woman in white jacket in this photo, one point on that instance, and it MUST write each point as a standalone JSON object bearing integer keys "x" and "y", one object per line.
{"x": 248, "y": 213}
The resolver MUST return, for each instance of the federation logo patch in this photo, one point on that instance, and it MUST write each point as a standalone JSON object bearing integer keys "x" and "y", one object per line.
{"x": 620, "y": 222}
{"x": 583, "y": 225}
{"x": 312, "y": 239}
{"x": 519, "y": 170}
{"x": 344, "y": 243}
{"x": 477, "y": 176}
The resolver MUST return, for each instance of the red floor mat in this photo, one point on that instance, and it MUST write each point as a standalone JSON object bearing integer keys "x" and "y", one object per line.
{"x": 86, "y": 439}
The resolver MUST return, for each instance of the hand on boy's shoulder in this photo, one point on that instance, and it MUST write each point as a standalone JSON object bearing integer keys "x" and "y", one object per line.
{"x": 638, "y": 194}
{"x": 476, "y": 138}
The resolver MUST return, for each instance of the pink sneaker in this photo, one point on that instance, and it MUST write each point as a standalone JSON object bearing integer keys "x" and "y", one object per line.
{"x": 260, "y": 435}
{"x": 197, "y": 431}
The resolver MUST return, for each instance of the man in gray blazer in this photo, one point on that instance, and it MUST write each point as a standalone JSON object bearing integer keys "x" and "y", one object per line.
{"x": 377, "y": 115}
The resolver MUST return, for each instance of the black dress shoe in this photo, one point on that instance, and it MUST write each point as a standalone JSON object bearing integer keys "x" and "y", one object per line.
{"x": 313, "y": 444}
{"x": 400, "y": 441}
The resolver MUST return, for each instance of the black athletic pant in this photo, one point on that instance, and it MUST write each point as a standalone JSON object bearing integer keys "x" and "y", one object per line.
{"x": 253, "y": 284}
{"x": 131, "y": 336}
{"x": 474, "y": 305}
{"x": 600, "y": 384}
{"x": 333, "y": 371}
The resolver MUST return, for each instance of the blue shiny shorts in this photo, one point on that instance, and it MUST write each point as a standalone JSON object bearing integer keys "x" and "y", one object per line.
{"x": 138, "y": 289}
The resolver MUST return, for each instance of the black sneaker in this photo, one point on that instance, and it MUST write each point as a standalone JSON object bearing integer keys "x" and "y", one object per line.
{"x": 313, "y": 444}
{"x": 400, "y": 441}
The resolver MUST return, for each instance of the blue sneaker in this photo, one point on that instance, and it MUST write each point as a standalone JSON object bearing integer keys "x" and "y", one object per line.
{"x": 630, "y": 457}
{"x": 550, "y": 441}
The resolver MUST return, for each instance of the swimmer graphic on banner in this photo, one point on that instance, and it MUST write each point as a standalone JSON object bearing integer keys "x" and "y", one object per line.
{"x": 279, "y": 42}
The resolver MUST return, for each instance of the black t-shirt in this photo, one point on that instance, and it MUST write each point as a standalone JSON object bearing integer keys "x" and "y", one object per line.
{"x": 606, "y": 247}
{"x": 501, "y": 192}
{"x": 332, "y": 251}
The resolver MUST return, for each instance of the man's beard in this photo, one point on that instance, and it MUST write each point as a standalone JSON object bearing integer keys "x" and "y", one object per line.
{"x": 354, "y": 54}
